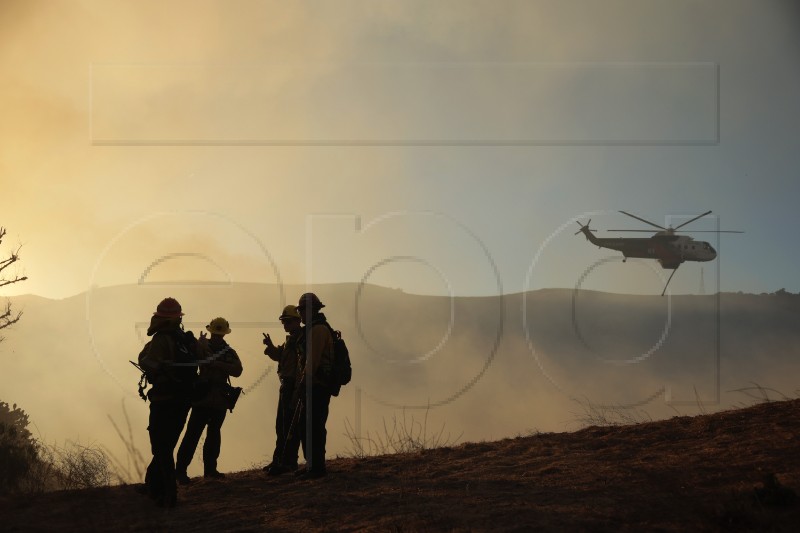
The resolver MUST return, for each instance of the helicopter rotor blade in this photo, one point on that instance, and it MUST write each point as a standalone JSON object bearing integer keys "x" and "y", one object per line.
{"x": 643, "y": 220}
{"x": 636, "y": 230}
{"x": 692, "y": 220}
{"x": 687, "y": 231}
{"x": 710, "y": 231}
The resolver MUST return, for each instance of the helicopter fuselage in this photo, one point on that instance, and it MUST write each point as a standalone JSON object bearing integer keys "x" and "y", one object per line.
{"x": 670, "y": 250}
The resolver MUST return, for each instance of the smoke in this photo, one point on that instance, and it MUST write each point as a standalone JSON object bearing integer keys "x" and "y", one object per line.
{"x": 466, "y": 384}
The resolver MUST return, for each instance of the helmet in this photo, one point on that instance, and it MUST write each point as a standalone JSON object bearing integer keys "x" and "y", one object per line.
{"x": 290, "y": 311}
{"x": 169, "y": 308}
{"x": 311, "y": 299}
{"x": 219, "y": 326}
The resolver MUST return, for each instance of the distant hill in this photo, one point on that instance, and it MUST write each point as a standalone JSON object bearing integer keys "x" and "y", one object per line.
{"x": 731, "y": 471}
{"x": 475, "y": 368}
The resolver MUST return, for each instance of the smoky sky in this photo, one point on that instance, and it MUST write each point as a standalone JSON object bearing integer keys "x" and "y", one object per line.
{"x": 679, "y": 108}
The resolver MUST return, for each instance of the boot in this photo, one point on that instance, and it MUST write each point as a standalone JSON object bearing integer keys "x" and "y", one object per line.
{"x": 278, "y": 469}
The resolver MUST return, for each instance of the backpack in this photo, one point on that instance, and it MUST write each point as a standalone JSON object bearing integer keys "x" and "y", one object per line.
{"x": 147, "y": 378}
{"x": 341, "y": 370}
{"x": 183, "y": 373}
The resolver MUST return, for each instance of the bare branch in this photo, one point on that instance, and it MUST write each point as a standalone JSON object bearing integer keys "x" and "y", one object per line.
{"x": 13, "y": 258}
{"x": 5, "y": 262}
{"x": 7, "y": 317}
{"x": 16, "y": 279}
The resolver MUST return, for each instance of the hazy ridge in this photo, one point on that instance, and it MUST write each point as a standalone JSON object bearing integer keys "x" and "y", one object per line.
{"x": 495, "y": 367}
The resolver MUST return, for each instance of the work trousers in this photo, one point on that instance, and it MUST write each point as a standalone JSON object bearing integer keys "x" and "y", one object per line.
{"x": 167, "y": 419}
{"x": 286, "y": 446}
{"x": 314, "y": 421}
{"x": 209, "y": 418}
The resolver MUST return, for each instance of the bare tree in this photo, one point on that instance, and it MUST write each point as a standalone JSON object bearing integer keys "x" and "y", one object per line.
{"x": 7, "y": 316}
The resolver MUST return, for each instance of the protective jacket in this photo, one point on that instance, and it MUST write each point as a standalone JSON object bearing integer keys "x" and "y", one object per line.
{"x": 169, "y": 360}
{"x": 219, "y": 362}
{"x": 286, "y": 356}
{"x": 317, "y": 362}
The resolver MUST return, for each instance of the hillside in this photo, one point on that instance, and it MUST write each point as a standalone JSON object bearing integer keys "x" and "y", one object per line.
{"x": 517, "y": 362}
{"x": 687, "y": 473}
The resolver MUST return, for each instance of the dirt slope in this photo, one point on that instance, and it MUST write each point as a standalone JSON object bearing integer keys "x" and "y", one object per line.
{"x": 687, "y": 473}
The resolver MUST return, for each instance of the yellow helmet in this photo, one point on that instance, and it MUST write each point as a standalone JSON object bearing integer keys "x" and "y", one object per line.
{"x": 290, "y": 311}
{"x": 219, "y": 326}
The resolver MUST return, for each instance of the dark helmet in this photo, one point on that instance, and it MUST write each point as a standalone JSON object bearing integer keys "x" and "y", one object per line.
{"x": 309, "y": 299}
{"x": 169, "y": 308}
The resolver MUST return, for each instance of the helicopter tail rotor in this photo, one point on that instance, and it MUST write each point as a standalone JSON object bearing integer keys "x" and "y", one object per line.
{"x": 585, "y": 229}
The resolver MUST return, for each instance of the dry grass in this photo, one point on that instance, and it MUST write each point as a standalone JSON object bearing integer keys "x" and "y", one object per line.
{"x": 402, "y": 435}
{"x": 71, "y": 465}
{"x": 762, "y": 394}
{"x": 704, "y": 473}
{"x": 131, "y": 468}
{"x": 591, "y": 414}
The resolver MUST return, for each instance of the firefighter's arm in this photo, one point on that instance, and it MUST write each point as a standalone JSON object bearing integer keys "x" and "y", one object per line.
{"x": 274, "y": 352}
{"x": 230, "y": 364}
{"x": 158, "y": 356}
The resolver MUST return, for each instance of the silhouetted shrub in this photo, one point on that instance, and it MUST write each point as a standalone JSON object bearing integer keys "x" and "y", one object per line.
{"x": 18, "y": 451}
{"x": 28, "y": 466}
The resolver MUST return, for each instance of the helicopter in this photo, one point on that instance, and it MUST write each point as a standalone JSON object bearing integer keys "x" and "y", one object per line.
{"x": 669, "y": 249}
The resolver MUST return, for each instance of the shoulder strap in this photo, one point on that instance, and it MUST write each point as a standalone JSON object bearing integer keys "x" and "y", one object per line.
{"x": 335, "y": 333}
{"x": 327, "y": 324}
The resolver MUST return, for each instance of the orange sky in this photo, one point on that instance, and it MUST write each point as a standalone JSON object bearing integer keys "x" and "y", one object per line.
{"x": 72, "y": 200}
